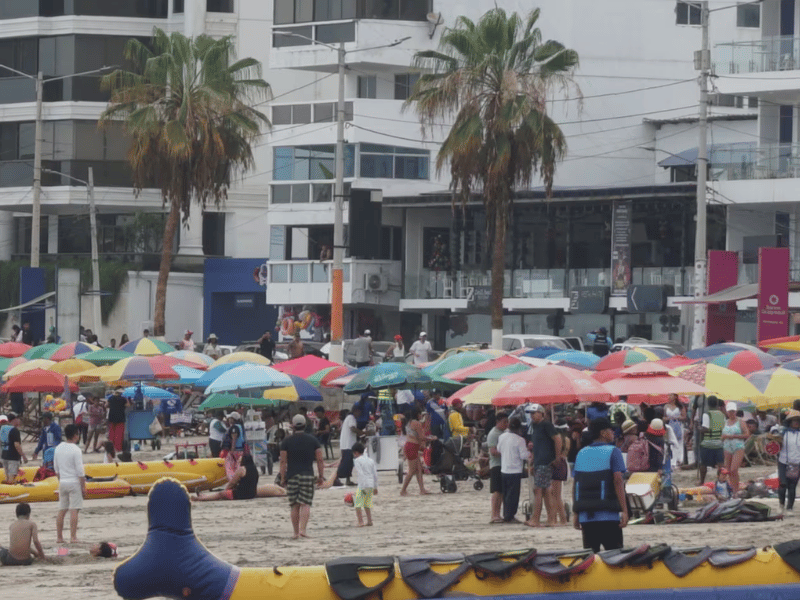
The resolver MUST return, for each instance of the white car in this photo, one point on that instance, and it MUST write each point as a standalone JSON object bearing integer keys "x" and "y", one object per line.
{"x": 515, "y": 341}
{"x": 673, "y": 347}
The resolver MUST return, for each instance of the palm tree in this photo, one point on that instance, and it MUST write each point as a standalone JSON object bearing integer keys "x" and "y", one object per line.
{"x": 188, "y": 107}
{"x": 494, "y": 78}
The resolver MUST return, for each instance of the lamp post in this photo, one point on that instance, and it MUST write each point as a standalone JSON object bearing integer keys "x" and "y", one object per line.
{"x": 36, "y": 206}
{"x": 337, "y": 313}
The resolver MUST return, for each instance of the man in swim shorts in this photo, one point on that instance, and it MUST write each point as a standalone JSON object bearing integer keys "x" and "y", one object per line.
{"x": 22, "y": 533}
{"x": 68, "y": 465}
{"x": 299, "y": 451}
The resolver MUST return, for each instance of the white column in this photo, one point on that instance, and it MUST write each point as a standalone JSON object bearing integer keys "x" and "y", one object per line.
{"x": 192, "y": 234}
{"x": 52, "y": 234}
{"x": 6, "y": 234}
{"x": 195, "y": 17}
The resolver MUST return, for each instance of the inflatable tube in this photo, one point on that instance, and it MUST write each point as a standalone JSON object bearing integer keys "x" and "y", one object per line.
{"x": 172, "y": 562}
{"x": 47, "y": 490}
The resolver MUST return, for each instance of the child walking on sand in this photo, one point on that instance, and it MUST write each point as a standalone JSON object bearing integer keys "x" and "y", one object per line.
{"x": 367, "y": 474}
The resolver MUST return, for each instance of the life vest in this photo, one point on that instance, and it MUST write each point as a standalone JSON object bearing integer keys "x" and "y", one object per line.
{"x": 5, "y": 431}
{"x": 594, "y": 480}
{"x": 716, "y": 423}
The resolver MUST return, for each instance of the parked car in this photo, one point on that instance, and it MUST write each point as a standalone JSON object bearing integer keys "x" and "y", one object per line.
{"x": 515, "y": 341}
{"x": 379, "y": 350}
{"x": 635, "y": 342}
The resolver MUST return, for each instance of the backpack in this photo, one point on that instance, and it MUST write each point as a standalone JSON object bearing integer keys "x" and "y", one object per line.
{"x": 639, "y": 456}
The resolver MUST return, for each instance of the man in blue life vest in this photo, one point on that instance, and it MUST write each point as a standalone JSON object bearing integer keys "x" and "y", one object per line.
{"x": 598, "y": 491}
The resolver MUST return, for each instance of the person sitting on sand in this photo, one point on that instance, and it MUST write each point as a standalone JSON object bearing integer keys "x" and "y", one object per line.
{"x": 243, "y": 485}
{"x": 104, "y": 550}
{"x": 722, "y": 489}
{"x": 22, "y": 533}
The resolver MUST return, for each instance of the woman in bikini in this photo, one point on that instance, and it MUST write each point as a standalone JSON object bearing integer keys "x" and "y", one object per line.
{"x": 734, "y": 435}
{"x": 415, "y": 444}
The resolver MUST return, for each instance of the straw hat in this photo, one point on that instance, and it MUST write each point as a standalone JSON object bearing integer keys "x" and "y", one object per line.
{"x": 656, "y": 427}
{"x": 792, "y": 414}
{"x": 629, "y": 426}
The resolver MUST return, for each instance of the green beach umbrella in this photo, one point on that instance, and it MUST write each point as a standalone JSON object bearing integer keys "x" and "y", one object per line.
{"x": 226, "y": 400}
{"x": 42, "y": 351}
{"x": 498, "y": 373}
{"x": 455, "y": 362}
{"x": 106, "y": 356}
{"x": 385, "y": 375}
{"x": 316, "y": 378}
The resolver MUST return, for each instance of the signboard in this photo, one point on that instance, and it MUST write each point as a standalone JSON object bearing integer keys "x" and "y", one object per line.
{"x": 647, "y": 298}
{"x": 621, "y": 247}
{"x": 479, "y": 299}
{"x": 588, "y": 300}
{"x": 773, "y": 293}
{"x": 723, "y": 272}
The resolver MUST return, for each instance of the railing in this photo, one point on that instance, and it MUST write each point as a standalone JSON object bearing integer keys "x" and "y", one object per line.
{"x": 772, "y": 53}
{"x": 304, "y": 271}
{"x": 767, "y": 161}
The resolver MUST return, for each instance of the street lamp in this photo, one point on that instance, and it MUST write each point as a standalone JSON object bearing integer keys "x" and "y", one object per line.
{"x": 96, "y": 314}
{"x": 36, "y": 207}
{"x": 337, "y": 317}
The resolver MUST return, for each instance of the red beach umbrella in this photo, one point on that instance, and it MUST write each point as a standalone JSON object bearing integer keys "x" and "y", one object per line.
{"x": 39, "y": 380}
{"x": 13, "y": 349}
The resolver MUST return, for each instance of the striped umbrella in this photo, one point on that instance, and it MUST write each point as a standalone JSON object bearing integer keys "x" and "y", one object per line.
{"x": 385, "y": 375}
{"x": 38, "y": 380}
{"x": 722, "y": 382}
{"x": 455, "y": 362}
{"x": 71, "y": 350}
{"x": 626, "y": 358}
{"x": 716, "y": 349}
{"x": 246, "y": 357}
{"x": 147, "y": 347}
{"x": 498, "y": 373}
{"x": 746, "y": 361}
{"x": 305, "y": 366}
{"x": 540, "y": 352}
{"x": 503, "y": 361}
{"x": 316, "y": 378}
{"x": 9, "y": 363}
{"x": 28, "y": 365}
{"x": 139, "y": 368}
{"x": 192, "y": 357}
{"x": 780, "y": 387}
{"x": 41, "y": 351}
{"x": 299, "y": 390}
{"x": 188, "y": 375}
{"x": 480, "y": 392}
{"x": 13, "y": 349}
{"x": 150, "y": 391}
{"x": 576, "y": 357}
{"x": 105, "y": 356}
{"x": 71, "y": 366}
{"x": 248, "y": 376}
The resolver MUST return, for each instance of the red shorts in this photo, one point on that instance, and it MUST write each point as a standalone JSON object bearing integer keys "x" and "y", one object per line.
{"x": 411, "y": 451}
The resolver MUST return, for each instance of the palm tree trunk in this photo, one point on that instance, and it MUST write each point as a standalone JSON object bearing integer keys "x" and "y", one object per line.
{"x": 170, "y": 227}
{"x": 498, "y": 271}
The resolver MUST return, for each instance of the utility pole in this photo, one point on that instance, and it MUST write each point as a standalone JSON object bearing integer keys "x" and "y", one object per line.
{"x": 96, "y": 296}
{"x": 703, "y": 63}
{"x": 337, "y": 304}
{"x": 36, "y": 208}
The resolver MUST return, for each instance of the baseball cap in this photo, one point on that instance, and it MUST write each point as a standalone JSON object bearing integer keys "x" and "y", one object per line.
{"x": 189, "y": 331}
{"x": 457, "y": 402}
{"x": 731, "y": 406}
{"x": 235, "y": 415}
{"x": 423, "y": 334}
{"x": 298, "y": 421}
{"x": 367, "y": 332}
{"x": 81, "y": 398}
{"x": 398, "y": 337}
{"x": 535, "y": 408}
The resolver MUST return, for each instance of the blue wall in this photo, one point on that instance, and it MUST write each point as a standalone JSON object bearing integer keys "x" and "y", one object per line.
{"x": 233, "y": 302}
{"x": 32, "y": 284}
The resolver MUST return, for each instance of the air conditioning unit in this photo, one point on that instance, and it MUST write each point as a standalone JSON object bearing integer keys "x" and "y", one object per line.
{"x": 376, "y": 282}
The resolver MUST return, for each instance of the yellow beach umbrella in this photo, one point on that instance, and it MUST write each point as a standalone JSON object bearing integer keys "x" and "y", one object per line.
{"x": 781, "y": 387}
{"x": 248, "y": 357}
{"x": 38, "y": 363}
{"x": 71, "y": 366}
{"x": 482, "y": 392}
{"x": 93, "y": 374}
{"x": 721, "y": 382}
{"x": 287, "y": 394}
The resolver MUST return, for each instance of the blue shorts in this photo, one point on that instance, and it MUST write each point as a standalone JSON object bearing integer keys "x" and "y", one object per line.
{"x": 711, "y": 457}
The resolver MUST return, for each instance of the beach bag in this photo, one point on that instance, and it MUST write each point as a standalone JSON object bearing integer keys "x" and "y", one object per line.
{"x": 638, "y": 456}
{"x": 155, "y": 427}
{"x": 793, "y": 471}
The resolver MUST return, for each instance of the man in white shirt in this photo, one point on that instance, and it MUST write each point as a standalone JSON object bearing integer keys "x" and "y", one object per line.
{"x": 348, "y": 437}
{"x": 513, "y": 452}
{"x": 362, "y": 346}
{"x": 495, "y": 465}
{"x": 68, "y": 465}
{"x": 420, "y": 349}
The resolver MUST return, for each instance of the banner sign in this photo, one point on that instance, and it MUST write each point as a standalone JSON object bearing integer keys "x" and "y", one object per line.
{"x": 588, "y": 300}
{"x": 723, "y": 272}
{"x": 479, "y": 299}
{"x": 773, "y": 293}
{"x": 621, "y": 247}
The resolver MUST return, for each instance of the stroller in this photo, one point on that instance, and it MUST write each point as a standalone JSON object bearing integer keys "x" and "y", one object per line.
{"x": 447, "y": 461}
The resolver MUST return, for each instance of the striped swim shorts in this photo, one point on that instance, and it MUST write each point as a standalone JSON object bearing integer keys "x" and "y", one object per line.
{"x": 363, "y": 498}
{"x": 300, "y": 488}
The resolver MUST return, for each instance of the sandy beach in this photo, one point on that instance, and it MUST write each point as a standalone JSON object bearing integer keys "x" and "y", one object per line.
{"x": 257, "y": 533}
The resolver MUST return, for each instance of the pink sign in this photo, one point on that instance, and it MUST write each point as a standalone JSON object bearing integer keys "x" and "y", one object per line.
{"x": 773, "y": 293}
{"x": 723, "y": 272}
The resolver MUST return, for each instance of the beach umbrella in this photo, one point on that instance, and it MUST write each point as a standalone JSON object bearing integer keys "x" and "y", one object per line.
{"x": 384, "y": 375}
{"x": 791, "y": 343}
{"x": 188, "y": 375}
{"x": 138, "y": 368}
{"x": 716, "y": 349}
{"x": 316, "y": 378}
{"x": 551, "y": 384}
{"x": 499, "y": 372}
{"x": 480, "y": 392}
{"x": 746, "y": 361}
{"x": 489, "y": 365}
{"x": 673, "y": 362}
{"x": 8, "y": 363}
{"x": 213, "y": 372}
{"x": 71, "y": 350}
{"x": 299, "y": 390}
{"x": 90, "y": 375}
{"x": 41, "y": 351}
{"x": 246, "y": 357}
{"x": 339, "y": 377}
{"x": 650, "y": 383}
{"x": 792, "y": 365}
{"x": 222, "y": 400}
{"x": 632, "y": 356}
{"x": 575, "y": 357}
{"x": 196, "y": 358}
{"x": 455, "y": 362}
{"x": 71, "y": 366}
{"x": 105, "y": 356}
{"x": 13, "y": 349}
{"x": 540, "y": 352}
{"x": 248, "y": 376}
{"x": 779, "y": 386}
{"x": 147, "y": 347}
{"x": 305, "y": 366}
{"x": 38, "y": 380}
{"x": 39, "y": 363}
{"x": 722, "y": 382}
{"x": 150, "y": 391}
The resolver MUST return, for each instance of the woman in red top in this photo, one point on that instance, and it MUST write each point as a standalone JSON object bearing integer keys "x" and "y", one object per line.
{"x": 415, "y": 443}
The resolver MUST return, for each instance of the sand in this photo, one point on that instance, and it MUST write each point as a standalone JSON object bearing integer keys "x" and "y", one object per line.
{"x": 256, "y": 533}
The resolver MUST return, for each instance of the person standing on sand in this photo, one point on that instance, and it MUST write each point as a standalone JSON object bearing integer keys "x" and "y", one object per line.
{"x": 495, "y": 472}
{"x": 68, "y": 465}
{"x": 415, "y": 444}
{"x": 367, "y": 473}
{"x": 513, "y": 454}
{"x": 546, "y": 448}
{"x": 22, "y": 533}
{"x": 298, "y": 453}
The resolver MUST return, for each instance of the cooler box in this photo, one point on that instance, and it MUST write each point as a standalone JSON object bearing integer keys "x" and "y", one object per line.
{"x": 256, "y": 435}
{"x": 385, "y": 455}
{"x": 642, "y": 490}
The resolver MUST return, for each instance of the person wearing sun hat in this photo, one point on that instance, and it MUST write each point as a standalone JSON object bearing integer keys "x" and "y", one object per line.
{"x": 655, "y": 435}
{"x": 630, "y": 433}
{"x": 788, "y": 461}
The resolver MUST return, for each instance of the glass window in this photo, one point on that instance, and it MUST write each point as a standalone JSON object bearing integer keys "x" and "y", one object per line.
{"x": 220, "y": 6}
{"x": 301, "y": 163}
{"x": 284, "y": 12}
{"x": 394, "y": 163}
{"x": 9, "y": 141}
{"x": 177, "y": 6}
{"x": 27, "y": 137}
{"x": 376, "y": 165}
{"x": 414, "y": 10}
{"x": 322, "y": 164}
{"x": 367, "y": 86}
{"x": 17, "y": 9}
{"x": 281, "y": 194}
{"x": 321, "y": 192}
{"x": 748, "y": 15}
{"x": 324, "y": 113}
{"x": 285, "y": 41}
{"x": 303, "y": 11}
{"x": 300, "y": 193}
{"x": 301, "y": 113}
{"x": 283, "y": 163}
{"x": 687, "y": 14}
{"x": 281, "y": 115}
{"x": 410, "y": 167}
{"x": 404, "y": 84}
{"x": 336, "y": 32}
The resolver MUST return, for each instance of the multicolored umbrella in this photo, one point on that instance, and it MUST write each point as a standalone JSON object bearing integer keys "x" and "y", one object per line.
{"x": 317, "y": 378}
{"x": 71, "y": 366}
{"x": 499, "y": 372}
{"x": 150, "y": 391}
{"x": 41, "y": 351}
{"x": 745, "y": 362}
{"x": 13, "y": 349}
{"x": 139, "y": 368}
{"x": 299, "y": 390}
{"x": 575, "y": 357}
{"x": 791, "y": 343}
{"x": 455, "y": 362}
{"x": 650, "y": 383}
{"x": 385, "y": 375}
{"x": 227, "y": 400}
{"x": 716, "y": 349}
{"x": 9, "y": 363}
{"x": 38, "y": 380}
{"x": 188, "y": 375}
{"x": 71, "y": 350}
{"x": 249, "y": 376}
{"x": 147, "y": 347}
{"x": 503, "y": 361}
{"x": 551, "y": 384}
{"x": 540, "y": 352}
{"x": 192, "y": 357}
{"x": 780, "y": 387}
{"x": 305, "y": 366}
{"x": 481, "y": 392}
{"x": 214, "y": 372}
{"x": 626, "y": 358}
{"x": 246, "y": 357}
{"x": 105, "y": 356}
{"x": 39, "y": 363}
{"x": 722, "y": 382}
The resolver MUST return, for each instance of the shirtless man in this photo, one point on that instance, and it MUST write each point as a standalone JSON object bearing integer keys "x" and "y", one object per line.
{"x": 22, "y": 533}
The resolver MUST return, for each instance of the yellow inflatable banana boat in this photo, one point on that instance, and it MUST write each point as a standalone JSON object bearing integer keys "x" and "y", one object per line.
{"x": 47, "y": 490}
{"x": 173, "y": 563}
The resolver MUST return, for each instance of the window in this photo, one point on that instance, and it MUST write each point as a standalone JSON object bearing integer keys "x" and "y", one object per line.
{"x": 404, "y": 84}
{"x": 367, "y": 86}
{"x": 748, "y": 15}
{"x": 324, "y": 113}
{"x": 301, "y": 163}
{"x": 220, "y": 6}
{"x": 294, "y": 114}
{"x": 15, "y": 9}
{"x": 687, "y": 13}
{"x": 389, "y": 162}
{"x": 177, "y": 6}
{"x": 304, "y": 11}
{"x": 333, "y": 10}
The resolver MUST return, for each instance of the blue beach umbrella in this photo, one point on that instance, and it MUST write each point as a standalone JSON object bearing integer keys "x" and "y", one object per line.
{"x": 540, "y": 352}
{"x": 248, "y": 376}
{"x": 150, "y": 391}
{"x": 209, "y": 376}
{"x": 575, "y": 357}
{"x": 386, "y": 375}
{"x": 188, "y": 375}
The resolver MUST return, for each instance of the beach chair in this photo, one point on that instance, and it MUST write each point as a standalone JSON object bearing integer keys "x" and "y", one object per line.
{"x": 754, "y": 452}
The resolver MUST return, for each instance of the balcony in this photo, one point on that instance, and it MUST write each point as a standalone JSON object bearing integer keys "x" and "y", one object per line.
{"x": 769, "y": 54}
{"x": 375, "y": 282}
{"x": 768, "y": 161}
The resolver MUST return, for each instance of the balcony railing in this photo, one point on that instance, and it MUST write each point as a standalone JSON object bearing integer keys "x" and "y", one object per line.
{"x": 772, "y": 53}
{"x": 767, "y": 161}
